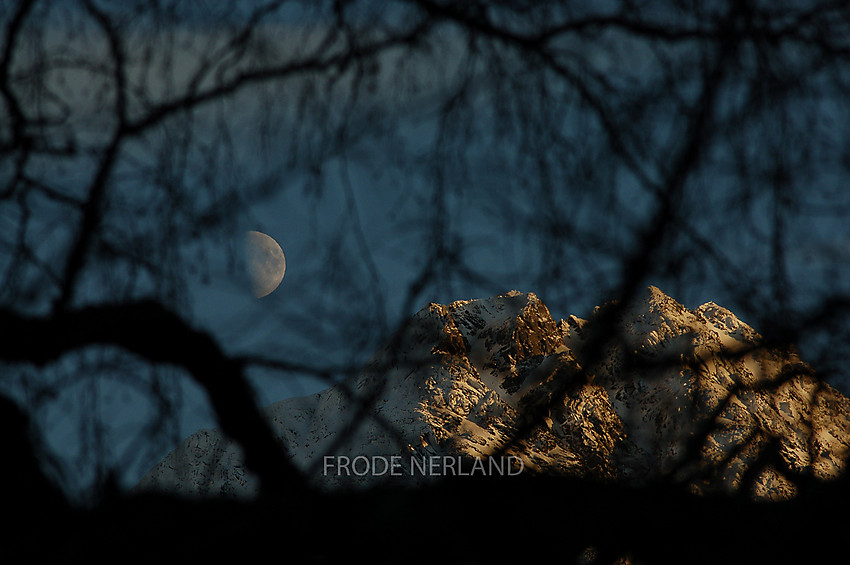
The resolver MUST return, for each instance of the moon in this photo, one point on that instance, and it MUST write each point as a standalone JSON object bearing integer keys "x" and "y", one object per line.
{"x": 266, "y": 262}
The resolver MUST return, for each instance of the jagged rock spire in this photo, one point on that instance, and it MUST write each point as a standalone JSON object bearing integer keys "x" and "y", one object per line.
{"x": 690, "y": 395}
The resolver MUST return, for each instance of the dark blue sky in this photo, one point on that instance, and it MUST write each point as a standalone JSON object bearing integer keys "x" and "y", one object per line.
{"x": 471, "y": 167}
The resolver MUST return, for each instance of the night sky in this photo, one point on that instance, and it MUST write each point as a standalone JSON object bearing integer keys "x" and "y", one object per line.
{"x": 420, "y": 176}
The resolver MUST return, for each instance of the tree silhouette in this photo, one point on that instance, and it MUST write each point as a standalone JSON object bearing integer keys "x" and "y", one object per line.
{"x": 420, "y": 150}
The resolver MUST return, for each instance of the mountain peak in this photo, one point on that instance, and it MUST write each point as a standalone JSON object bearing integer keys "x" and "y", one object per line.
{"x": 462, "y": 379}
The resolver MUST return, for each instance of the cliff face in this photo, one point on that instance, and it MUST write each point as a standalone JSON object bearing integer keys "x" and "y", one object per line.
{"x": 657, "y": 391}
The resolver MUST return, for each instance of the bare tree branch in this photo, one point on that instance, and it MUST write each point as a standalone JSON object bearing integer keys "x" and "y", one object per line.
{"x": 158, "y": 335}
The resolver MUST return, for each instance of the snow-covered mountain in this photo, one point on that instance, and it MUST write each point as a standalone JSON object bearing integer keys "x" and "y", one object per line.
{"x": 615, "y": 401}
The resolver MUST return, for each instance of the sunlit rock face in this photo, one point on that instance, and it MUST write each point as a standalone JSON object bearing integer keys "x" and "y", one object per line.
{"x": 635, "y": 393}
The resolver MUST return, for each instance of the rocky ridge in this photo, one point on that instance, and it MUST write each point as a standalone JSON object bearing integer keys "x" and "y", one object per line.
{"x": 688, "y": 394}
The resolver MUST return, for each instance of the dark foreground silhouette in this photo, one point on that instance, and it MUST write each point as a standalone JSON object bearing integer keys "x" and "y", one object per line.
{"x": 461, "y": 520}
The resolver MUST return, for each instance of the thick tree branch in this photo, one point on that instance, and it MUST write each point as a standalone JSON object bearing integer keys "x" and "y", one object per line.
{"x": 150, "y": 330}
